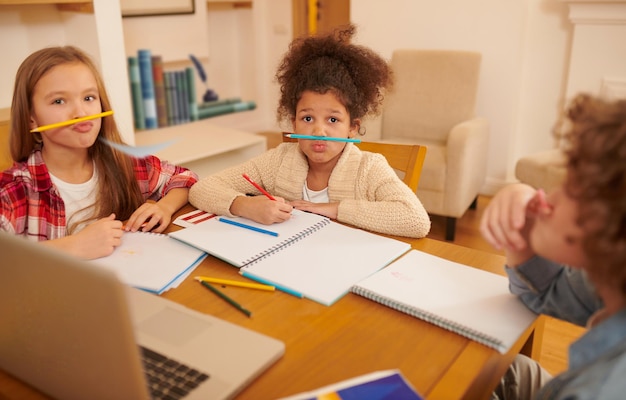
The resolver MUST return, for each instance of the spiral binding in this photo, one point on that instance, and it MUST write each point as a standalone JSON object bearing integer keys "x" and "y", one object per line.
{"x": 286, "y": 243}
{"x": 477, "y": 336}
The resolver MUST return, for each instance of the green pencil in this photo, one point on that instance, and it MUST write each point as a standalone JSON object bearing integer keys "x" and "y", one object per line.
{"x": 226, "y": 298}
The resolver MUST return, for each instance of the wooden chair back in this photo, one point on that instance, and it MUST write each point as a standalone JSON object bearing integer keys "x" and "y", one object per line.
{"x": 5, "y": 155}
{"x": 406, "y": 158}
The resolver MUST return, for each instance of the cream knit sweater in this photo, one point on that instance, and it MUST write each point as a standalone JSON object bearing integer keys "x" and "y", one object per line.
{"x": 369, "y": 192}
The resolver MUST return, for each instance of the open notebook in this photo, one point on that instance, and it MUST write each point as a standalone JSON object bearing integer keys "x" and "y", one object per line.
{"x": 151, "y": 261}
{"x": 471, "y": 302}
{"x": 311, "y": 257}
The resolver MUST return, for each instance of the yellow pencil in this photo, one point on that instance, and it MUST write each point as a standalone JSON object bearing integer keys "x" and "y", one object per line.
{"x": 258, "y": 286}
{"x": 72, "y": 121}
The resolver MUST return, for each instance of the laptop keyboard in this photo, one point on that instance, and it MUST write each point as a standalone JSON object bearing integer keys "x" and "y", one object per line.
{"x": 168, "y": 379}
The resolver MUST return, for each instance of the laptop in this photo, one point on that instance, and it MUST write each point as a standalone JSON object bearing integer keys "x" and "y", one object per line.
{"x": 74, "y": 331}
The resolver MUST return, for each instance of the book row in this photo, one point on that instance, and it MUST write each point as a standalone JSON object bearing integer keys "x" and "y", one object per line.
{"x": 163, "y": 98}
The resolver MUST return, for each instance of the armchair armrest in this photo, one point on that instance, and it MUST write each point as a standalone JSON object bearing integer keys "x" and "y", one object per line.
{"x": 466, "y": 162}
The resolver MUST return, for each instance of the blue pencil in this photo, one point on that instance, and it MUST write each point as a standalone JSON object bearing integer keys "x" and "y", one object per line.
{"x": 252, "y": 228}
{"x": 328, "y": 138}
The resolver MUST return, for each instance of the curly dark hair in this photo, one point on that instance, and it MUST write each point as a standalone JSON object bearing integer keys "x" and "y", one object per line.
{"x": 355, "y": 74}
{"x": 596, "y": 179}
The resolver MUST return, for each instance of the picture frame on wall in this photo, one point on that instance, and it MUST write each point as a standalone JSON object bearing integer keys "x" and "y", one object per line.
{"x": 142, "y": 8}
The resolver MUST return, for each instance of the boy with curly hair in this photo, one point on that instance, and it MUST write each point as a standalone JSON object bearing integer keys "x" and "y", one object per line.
{"x": 566, "y": 255}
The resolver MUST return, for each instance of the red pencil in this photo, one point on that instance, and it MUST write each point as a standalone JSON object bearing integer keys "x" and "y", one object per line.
{"x": 256, "y": 185}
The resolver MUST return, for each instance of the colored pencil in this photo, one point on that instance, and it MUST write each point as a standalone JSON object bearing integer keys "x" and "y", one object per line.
{"x": 72, "y": 121}
{"x": 246, "y": 226}
{"x": 265, "y": 282}
{"x": 228, "y": 282}
{"x": 256, "y": 185}
{"x": 327, "y": 138}
{"x": 226, "y": 298}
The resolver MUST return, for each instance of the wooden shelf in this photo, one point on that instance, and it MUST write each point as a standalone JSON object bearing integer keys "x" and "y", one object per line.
{"x": 230, "y": 3}
{"x": 33, "y": 2}
{"x": 84, "y": 6}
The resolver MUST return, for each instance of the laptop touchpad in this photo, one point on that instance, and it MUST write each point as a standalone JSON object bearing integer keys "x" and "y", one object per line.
{"x": 173, "y": 326}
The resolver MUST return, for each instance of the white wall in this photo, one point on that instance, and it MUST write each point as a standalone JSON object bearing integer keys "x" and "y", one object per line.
{"x": 598, "y": 56}
{"x": 27, "y": 28}
{"x": 24, "y": 31}
{"x": 171, "y": 36}
{"x": 245, "y": 48}
{"x": 525, "y": 52}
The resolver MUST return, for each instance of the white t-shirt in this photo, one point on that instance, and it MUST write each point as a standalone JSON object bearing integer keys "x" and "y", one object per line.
{"x": 315, "y": 196}
{"x": 77, "y": 196}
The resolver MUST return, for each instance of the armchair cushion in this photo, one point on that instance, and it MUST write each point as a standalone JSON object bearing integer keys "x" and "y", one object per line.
{"x": 438, "y": 91}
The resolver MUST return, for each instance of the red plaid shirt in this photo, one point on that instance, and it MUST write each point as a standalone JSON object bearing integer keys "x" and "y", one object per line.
{"x": 32, "y": 205}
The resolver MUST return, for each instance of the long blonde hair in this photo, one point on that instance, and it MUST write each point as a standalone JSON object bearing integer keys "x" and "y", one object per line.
{"x": 118, "y": 190}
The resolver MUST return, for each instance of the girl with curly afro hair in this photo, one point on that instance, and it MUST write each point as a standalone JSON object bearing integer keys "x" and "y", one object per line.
{"x": 327, "y": 85}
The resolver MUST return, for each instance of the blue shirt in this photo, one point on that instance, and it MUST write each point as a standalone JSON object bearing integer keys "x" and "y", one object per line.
{"x": 597, "y": 361}
{"x": 556, "y": 290}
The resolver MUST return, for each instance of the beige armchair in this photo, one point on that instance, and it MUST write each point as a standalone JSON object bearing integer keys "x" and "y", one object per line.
{"x": 433, "y": 104}
{"x": 542, "y": 170}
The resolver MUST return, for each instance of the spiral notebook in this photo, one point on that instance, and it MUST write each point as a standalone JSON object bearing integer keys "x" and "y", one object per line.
{"x": 471, "y": 302}
{"x": 150, "y": 261}
{"x": 311, "y": 257}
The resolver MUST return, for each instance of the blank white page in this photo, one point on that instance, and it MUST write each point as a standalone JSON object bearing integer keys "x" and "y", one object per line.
{"x": 469, "y": 301}
{"x": 237, "y": 245}
{"x": 324, "y": 266}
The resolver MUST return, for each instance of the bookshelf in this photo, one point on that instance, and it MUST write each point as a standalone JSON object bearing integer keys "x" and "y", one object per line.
{"x": 96, "y": 25}
{"x": 32, "y": 2}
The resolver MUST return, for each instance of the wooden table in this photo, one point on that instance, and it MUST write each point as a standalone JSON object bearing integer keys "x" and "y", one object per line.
{"x": 354, "y": 336}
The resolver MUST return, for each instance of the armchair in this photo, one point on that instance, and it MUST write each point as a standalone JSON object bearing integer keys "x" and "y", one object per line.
{"x": 433, "y": 104}
{"x": 545, "y": 169}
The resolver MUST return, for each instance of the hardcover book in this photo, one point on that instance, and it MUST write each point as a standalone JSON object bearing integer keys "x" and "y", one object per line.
{"x": 135, "y": 91}
{"x": 170, "y": 95}
{"x": 379, "y": 385}
{"x": 147, "y": 88}
{"x": 191, "y": 94}
{"x": 182, "y": 96}
{"x": 159, "y": 90}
